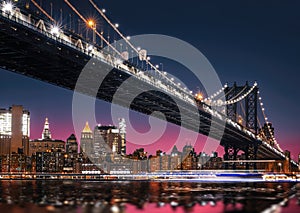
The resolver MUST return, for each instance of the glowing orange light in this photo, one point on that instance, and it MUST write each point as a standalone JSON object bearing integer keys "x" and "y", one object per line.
{"x": 199, "y": 96}
{"x": 240, "y": 120}
{"x": 91, "y": 23}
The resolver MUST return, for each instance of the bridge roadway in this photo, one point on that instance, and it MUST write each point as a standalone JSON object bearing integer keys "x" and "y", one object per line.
{"x": 37, "y": 54}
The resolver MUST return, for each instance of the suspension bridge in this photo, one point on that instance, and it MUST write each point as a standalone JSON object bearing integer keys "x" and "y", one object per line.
{"x": 34, "y": 44}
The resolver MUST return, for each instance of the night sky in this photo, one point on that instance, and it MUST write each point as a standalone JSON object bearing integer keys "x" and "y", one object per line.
{"x": 249, "y": 40}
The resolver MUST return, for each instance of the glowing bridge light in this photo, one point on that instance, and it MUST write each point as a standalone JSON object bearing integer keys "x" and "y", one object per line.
{"x": 8, "y": 7}
{"x": 128, "y": 37}
{"x": 117, "y": 25}
{"x": 119, "y": 61}
{"x": 55, "y": 30}
{"x": 91, "y": 23}
{"x": 199, "y": 96}
{"x": 90, "y": 48}
{"x": 103, "y": 10}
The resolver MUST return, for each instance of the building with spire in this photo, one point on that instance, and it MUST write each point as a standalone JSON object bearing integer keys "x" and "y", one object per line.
{"x": 46, "y": 131}
{"x": 86, "y": 140}
{"x": 46, "y": 143}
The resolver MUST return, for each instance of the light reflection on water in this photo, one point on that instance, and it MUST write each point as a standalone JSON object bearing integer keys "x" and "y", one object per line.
{"x": 144, "y": 196}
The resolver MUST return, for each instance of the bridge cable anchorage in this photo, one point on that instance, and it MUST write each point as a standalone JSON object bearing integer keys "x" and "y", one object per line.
{"x": 267, "y": 122}
{"x": 43, "y": 11}
{"x": 135, "y": 49}
{"x": 95, "y": 30}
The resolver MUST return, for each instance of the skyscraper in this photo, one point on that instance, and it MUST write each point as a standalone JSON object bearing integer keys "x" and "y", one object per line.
{"x": 101, "y": 139}
{"x": 122, "y": 129}
{"x": 110, "y": 139}
{"x": 86, "y": 140}
{"x": 14, "y": 130}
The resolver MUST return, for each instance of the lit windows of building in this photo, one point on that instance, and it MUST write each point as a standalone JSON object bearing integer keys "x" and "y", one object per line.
{"x": 14, "y": 130}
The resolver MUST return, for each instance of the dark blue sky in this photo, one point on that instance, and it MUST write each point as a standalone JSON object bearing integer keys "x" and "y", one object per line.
{"x": 244, "y": 40}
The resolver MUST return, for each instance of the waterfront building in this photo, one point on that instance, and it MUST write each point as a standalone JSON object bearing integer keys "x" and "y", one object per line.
{"x": 154, "y": 163}
{"x": 49, "y": 162}
{"x": 175, "y": 159}
{"x": 46, "y": 144}
{"x": 13, "y": 163}
{"x": 14, "y": 130}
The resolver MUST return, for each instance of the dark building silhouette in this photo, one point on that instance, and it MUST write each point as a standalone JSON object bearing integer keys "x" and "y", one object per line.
{"x": 71, "y": 145}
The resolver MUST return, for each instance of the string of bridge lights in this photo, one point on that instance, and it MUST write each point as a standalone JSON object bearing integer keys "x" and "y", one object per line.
{"x": 217, "y": 93}
{"x": 91, "y": 24}
{"x": 211, "y": 102}
{"x": 55, "y": 30}
{"x": 137, "y": 50}
{"x": 267, "y": 122}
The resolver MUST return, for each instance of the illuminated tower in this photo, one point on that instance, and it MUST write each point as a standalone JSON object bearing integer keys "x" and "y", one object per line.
{"x": 46, "y": 132}
{"x": 86, "y": 141}
{"x": 14, "y": 130}
{"x": 122, "y": 129}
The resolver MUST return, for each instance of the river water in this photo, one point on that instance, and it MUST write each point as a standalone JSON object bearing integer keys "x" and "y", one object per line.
{"x": 147, "y": 196}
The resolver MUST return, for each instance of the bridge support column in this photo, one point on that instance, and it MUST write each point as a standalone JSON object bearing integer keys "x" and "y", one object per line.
{"x": 230, "y": 154}
{"x": 251, "y": 154}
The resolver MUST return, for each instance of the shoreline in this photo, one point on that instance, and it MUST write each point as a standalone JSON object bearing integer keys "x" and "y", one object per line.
{"x": 176, "y": 177}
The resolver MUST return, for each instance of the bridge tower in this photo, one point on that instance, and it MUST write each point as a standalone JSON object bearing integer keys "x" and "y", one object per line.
{"x": 247, "y": 118}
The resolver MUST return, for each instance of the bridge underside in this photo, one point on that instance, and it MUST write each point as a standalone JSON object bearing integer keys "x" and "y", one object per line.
{"x": 25, "y": 51}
